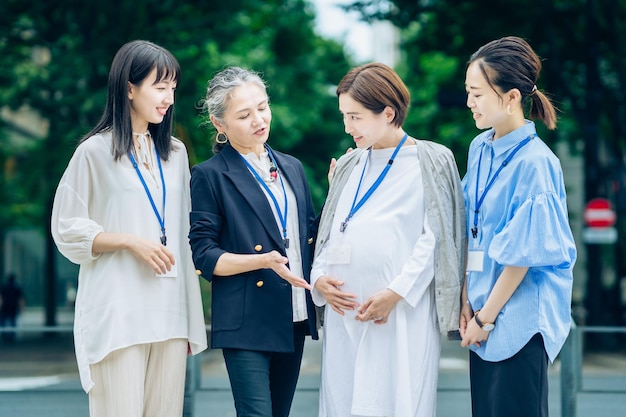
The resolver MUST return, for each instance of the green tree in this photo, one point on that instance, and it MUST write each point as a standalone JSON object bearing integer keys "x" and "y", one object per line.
{"x": 55, "y": 61}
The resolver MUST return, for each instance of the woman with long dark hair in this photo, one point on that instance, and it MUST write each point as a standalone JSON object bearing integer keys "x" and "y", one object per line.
{"x": 121, "y": 212}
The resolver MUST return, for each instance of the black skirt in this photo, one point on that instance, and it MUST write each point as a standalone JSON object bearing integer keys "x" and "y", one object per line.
{"x": 514, "y": 387}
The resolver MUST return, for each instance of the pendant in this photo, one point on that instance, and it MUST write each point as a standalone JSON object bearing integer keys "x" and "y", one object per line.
{"x": 164, "y": 240}
{"x": 343, "y": 226}
{"x": 286, "y": 242}
{"x": 273, "y": 173}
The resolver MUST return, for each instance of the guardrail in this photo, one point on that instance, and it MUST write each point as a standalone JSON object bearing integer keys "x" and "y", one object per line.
{"x": 571, "y": 365}
{"x": 192, "y": 377}
{"x": 570, "y": 356}
{"x": 36, "y": 329}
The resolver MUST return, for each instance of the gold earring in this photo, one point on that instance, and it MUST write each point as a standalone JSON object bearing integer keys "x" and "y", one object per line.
{"x": 508, "y": 110}
{"x": 221, "y": 138}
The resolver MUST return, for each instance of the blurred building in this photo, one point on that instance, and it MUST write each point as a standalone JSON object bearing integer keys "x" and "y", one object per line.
{"x": 24, "y": 249}
{"x": 365, "y": 42}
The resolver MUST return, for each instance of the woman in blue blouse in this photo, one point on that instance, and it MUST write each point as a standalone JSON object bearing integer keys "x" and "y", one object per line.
{"x": 516, "y": 299}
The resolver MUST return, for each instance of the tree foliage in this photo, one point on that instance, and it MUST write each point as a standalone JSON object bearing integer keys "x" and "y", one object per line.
{"x": 438, "y": 37}
{"x": 582, "y": 46}
{"x": 56, "y": 57}
{"x": 55, "y": 61}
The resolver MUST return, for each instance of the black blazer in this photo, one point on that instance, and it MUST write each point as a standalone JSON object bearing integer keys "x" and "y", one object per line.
{"x": 230, "y": 213}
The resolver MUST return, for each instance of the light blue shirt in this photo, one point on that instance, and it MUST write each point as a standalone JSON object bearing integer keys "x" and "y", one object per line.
{"x": 522, "y": 221}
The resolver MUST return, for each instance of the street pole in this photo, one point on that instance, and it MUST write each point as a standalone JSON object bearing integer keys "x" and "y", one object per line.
{"x": 592, "y": 169}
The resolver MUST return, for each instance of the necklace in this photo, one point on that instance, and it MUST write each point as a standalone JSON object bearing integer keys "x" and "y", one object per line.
{"x": 273, "y": 173}
{"x": 282, "y": 214}
{"x": 266, "y": 163}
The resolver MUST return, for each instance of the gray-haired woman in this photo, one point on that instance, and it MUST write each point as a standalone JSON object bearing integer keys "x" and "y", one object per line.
{"x": 251, "y": 236}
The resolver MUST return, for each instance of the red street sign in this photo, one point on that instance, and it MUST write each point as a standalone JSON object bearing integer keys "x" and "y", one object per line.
{"x": 599, "y": 213}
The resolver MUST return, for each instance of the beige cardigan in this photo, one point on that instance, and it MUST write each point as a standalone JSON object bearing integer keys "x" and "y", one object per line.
{"x": 445, "y": 208}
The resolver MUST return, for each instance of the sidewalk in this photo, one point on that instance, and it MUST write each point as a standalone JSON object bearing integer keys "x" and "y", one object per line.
{"x": 39, "y": 378}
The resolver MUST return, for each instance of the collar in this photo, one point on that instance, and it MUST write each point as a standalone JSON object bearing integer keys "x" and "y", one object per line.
{"x": 510, "y": 140}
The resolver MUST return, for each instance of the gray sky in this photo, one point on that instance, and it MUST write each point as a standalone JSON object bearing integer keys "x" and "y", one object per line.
{"x": 332, "y": 22}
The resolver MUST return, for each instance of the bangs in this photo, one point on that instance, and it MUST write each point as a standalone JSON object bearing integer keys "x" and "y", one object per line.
{"x": 167, "y": 68}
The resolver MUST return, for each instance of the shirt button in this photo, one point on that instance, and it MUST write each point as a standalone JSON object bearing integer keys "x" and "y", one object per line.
{"x": 198, "y": 272}
{"x": 258, "y": 248}
{"x": 259, "y": 284}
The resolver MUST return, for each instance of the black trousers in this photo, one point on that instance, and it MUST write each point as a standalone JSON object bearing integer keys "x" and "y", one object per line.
{"x": 514, "y": 387}
{"x": 264, "y": 383}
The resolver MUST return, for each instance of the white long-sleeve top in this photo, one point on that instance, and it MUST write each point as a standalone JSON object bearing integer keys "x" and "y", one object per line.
{"x": 388, "y": 369}
{"x": 120, "y": 301}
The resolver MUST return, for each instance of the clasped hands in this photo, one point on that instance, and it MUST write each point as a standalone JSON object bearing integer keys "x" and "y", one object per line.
{"x": 471, "y": 333}
{"x": 376, "y": 308}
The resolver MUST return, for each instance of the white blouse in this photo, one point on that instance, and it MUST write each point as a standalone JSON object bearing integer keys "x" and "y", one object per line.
{"x": 120, "y": 300}
{"x": 262, "y": 167}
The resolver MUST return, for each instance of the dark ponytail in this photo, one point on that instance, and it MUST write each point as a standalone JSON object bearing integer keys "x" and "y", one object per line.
{"x": 509, "y": 63}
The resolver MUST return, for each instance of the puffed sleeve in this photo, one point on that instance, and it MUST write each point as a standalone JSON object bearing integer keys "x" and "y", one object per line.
{"x": 537, "y": 235}
{"x": 72, "y": 228}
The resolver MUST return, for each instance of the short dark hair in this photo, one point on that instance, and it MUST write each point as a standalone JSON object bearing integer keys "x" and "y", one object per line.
{"x": 377, "y": 86}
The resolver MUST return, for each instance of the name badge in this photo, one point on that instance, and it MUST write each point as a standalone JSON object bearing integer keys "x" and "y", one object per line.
{"x": 339, "y": 255}
{"x": 475, "y": 260}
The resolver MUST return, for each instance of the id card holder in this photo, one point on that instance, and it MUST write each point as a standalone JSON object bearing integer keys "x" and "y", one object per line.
{"x": 339, "y": 255}
{"x": 475, "y": 260}
{"x": 172, "y": 273}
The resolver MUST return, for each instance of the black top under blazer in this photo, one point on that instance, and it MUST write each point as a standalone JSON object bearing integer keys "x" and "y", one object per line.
{"x": 230, "y": 213}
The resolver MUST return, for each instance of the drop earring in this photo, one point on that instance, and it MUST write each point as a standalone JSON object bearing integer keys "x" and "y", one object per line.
{"x": 508, "y": 110}
{"x": 221, "y": 138}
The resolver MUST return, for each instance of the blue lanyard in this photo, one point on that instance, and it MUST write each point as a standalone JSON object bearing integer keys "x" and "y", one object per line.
{"x": 281, "y": 217}
{"x": 356, "y": 206}
{"x": 145, "y": 187}
{"x": 479, "y": 202}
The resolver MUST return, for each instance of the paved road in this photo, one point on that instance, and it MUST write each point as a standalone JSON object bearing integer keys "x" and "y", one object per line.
{"x": 39, "y": 378}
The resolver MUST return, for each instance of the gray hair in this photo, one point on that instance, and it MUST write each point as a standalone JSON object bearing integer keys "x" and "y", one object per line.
{"x": 222, "y": 85}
